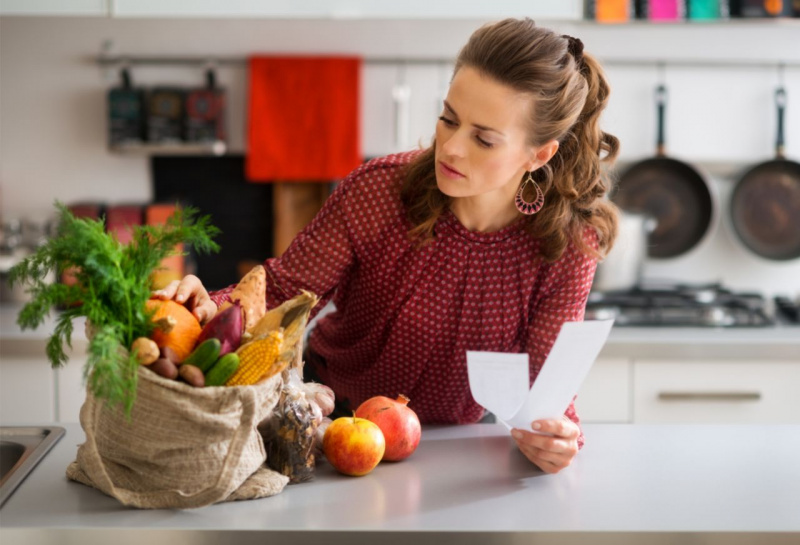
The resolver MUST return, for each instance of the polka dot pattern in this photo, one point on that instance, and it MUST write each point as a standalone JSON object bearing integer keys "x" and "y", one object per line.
{"x": 406, "y": 317}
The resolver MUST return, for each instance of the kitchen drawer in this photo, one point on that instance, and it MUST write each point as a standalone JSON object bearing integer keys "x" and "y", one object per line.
{"x": 605, "y": 395}
{"x": 719, "y": 392}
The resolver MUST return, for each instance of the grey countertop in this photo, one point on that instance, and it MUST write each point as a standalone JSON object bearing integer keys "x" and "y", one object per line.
{"x": 698, "y": 482}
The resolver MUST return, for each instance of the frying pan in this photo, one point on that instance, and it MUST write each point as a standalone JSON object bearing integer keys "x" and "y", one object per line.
{"x": 765, "y": 204}
{"x": 674, "y": 193}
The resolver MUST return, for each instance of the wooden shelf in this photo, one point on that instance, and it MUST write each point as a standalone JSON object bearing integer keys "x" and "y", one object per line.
{"x": 189, "y": 148}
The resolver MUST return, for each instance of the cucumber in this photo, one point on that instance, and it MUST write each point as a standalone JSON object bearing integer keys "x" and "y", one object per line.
{"x": 205, "y": 355}
{"x": 224, "y": 369}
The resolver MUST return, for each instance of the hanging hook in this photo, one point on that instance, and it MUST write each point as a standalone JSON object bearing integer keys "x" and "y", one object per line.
{"x": 661, "y": 72}
{"x": 211, "y": 76}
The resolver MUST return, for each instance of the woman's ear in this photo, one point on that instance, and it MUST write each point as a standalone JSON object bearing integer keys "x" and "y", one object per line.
{"x": 543, "y": 154}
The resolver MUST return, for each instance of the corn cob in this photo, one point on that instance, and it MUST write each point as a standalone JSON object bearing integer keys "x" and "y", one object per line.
{"x": 259, "y": 360}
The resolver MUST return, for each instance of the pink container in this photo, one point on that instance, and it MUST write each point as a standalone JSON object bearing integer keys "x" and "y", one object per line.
{"x": 665, "y": 10}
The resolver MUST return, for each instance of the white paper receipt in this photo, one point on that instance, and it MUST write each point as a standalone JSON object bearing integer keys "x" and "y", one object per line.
{"x": 499, "y": 381}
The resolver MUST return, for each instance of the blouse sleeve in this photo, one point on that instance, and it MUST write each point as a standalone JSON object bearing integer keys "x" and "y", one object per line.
{"x": 565, "y": 289}
{"x": 317, "y": 258}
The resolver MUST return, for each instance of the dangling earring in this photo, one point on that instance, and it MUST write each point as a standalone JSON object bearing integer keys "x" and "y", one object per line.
{"x": 529, "y": 208}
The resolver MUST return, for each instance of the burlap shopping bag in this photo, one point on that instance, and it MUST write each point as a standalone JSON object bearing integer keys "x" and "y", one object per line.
{"x": 182, "y": 447}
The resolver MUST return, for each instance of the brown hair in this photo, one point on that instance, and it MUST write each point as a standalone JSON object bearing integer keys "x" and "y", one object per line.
{"x": 570, "y": 91}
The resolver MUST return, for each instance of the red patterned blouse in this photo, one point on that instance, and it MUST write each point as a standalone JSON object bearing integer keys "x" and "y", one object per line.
{"x": 406, "y": 317}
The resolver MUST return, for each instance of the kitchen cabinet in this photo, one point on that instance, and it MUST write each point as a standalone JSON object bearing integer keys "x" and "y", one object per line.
{"x": 55, "y": 7}
{"x": 718, "y": 392}
{"x": 70, "y": 390}
{"x": 32, "y": 392}
{"x": 378, "y": 115}
{"x": 27, "y": 389}
{"x": 605, "y": 395}
{"x": 347, "y": 9}
{"x": 400, "y": 106}
{"x": 690, "y": 390}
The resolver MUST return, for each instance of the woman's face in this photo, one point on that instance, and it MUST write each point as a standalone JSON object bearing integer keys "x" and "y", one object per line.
{"x": 481, "y": 144}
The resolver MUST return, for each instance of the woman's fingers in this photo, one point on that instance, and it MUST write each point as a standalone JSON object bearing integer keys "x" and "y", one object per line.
{"x": 168, "y": 291}
{"x": 549, "y": 462}
{"x": 553, "y": 447}
{"x": 560, "y": 427}
{"x": 204, "y": 309}
{"x": 190, "y": 292}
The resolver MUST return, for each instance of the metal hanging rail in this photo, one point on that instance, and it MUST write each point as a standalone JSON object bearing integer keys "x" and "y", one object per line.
{"x": 110, "y": 61}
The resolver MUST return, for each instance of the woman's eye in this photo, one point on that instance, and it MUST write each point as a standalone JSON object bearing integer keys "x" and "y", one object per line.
{"x": 451, "y": 123}
{"x": 483, "y": 142}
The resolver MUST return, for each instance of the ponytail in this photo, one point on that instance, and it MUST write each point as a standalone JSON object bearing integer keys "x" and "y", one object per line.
{"x": 574, "y": 178}
{"x": 570, "y": 91}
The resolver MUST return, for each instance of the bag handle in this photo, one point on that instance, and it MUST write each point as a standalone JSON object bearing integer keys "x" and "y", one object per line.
{"x": 220, "y": 490}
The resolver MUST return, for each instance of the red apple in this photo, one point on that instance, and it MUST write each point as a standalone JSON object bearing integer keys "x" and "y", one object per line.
{"x": 353, "y": 445}
{"x": 399, "y": 424}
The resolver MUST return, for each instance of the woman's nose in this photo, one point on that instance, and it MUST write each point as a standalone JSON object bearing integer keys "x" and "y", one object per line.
{"x": 453, "y": 144}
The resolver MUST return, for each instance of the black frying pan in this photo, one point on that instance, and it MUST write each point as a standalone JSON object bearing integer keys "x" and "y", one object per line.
{"x": 765, "y": 205}
{"x": 672, "y": 192}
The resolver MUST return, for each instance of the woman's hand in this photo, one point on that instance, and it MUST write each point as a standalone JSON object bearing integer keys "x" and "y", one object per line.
{"x": 190, "y": 292}
{"x": 553, "y": 452}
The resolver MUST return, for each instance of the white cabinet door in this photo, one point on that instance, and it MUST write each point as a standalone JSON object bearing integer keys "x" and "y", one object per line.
{"x": 352, "y": 9}
{"x": 26, "y": 390}
{"x": 425, "y": 84}
{"x": 378, "y": 110}
{"x": 400, "y": 106}
{"x": 54, "y": 7}
{"x": 605, "y": 395}
{"x": 763, "y": 392}
{"x": 70, "y": 390}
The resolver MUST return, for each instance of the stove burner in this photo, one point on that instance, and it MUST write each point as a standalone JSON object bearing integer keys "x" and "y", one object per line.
{"x": 705, "y": 305}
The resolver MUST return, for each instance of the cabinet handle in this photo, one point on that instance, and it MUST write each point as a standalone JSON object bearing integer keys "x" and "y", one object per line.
{"x": 709, "y": 396}
{"x": 401, "y": 94}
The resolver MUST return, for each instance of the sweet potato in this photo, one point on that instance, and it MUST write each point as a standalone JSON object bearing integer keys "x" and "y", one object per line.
{"x": 226, "y": 326}
{"x": 251, "y": 292}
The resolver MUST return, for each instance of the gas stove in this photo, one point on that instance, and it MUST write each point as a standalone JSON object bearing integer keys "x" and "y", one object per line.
{"x": 686, "y": 305}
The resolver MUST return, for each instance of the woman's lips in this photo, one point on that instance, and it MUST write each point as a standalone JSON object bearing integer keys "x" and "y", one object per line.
{"x": 449, "y": 171}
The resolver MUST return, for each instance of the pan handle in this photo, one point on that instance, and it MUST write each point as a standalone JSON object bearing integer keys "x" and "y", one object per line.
{"x": 661, "y": 104}
{"x": 780, "y": 102}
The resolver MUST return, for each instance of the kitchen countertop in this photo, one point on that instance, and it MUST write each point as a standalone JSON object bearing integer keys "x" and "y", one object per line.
{"x": 469, "y": 484}
{"x": 778, "y": 342}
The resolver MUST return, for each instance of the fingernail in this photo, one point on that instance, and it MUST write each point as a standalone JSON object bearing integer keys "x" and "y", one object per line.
{"x": 536, "y": 426}
{"x": 180, "y": 297}
{"x": 516, "y": 434}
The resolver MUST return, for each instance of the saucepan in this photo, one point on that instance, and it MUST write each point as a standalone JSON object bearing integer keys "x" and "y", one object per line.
{"x": 765, "y": 204}
{"x": 674, "y": 193}
{"x": 622, "y": 267}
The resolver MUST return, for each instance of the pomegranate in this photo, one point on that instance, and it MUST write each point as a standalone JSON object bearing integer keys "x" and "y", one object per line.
{"x": 399, "y": 424}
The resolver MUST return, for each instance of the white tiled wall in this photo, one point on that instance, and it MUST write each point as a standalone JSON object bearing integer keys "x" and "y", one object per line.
{"x": 52, "y": 103}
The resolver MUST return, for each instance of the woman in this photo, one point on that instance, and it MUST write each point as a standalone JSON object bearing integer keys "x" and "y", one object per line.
{"x": 487, "y": 240}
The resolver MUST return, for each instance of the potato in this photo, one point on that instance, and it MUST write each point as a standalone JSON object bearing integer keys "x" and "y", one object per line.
{"x": 146, "y": 350}
{"x": 193, "y": 375}
{"x": 165, "y": 368}
{"x": 168, "y": 353}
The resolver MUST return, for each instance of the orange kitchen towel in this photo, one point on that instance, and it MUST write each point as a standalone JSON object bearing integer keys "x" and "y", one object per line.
{"x": 303, "y": 118}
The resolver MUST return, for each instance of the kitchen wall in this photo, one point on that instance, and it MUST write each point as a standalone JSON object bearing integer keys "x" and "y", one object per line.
{"x": 52, "y": 103}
